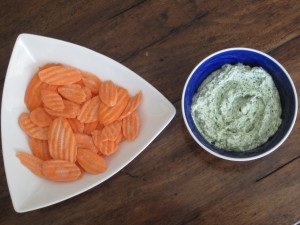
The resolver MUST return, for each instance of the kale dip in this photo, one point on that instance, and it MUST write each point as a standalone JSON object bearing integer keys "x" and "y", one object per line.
{"x": 237, "y": 107}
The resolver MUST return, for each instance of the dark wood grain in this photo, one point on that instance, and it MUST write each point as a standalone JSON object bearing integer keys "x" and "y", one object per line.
{"x": 173, "y": 181}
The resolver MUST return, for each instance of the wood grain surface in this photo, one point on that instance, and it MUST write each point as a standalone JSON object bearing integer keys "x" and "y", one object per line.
{"x": 174, "y": 181}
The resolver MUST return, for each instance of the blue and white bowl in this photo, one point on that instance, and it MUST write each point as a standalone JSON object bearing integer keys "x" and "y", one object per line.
{"x": 282, "y": 80}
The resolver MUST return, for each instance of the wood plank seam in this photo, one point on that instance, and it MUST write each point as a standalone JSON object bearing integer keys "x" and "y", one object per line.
{"x": 277, "y": 169}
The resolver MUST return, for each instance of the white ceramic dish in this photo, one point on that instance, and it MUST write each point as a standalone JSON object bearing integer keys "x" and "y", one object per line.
{"x": 29, "y": 192}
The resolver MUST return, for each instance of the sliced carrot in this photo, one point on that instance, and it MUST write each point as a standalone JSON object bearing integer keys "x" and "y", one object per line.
{"x": 52, "y": 100}
{"x": 91, "y": 81}
{"x": 108, "y": 93}
{"x": 132, "y": 105}
{"x": 33, "y": 93}
{"x": 31, "y": 129}
{"x": 61, "y": 139}
{"x": 131, "y": 126}
{"x": 100, "y": 126}
{"x": 72, "y": 92}
{"x": 70, "y": 110}
{"x": 96, "y": 136}
{"x": 108, "y": 114}
{"x": 76, "y": 125}
{"x": 111, "y": 131}
{"x": 108, "y": 147}
{"x": 39, "y": 148}
{"x": 60, "y": 170}
{"x": 40, "y": 117}
{"x": 90, "y": 127}
{"x": 34, "y": 164}
{"x": 120, "y": 137}
{"x": 88, "y": 92}
{"x": 60, "y": 75}
{"x": 49, "y": 87}
{"x": 89, "y": 111}
{"x": 90, "y": 161}
{"x": 85, "y": 141}
{"x": 81, "y": 170}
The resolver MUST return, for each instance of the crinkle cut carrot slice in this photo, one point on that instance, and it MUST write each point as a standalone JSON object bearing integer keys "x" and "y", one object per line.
{"x": 70, "y": 110}
{"x": 34, "y": 164}
{"x": 90, "y": 127}
{"x": 88, "y": 92}
{"x": 108, "y": 147}
{"x": 111, "y": 131}
{"x": 131, "y": 126}
{"x": 72, "y": 92}
{"x": 39, "y": 148}
{"x": 91, "y": 81}
{"x": 85, "y": 141}
{"x": 32, "y": 97}
{"x": 89, "y": 111}
{"x": 52, "y": 100}
{"x": 60, "y": 170}
{"x": 60, "y": 75}
{"x": 108, "y": 114}
{"x": 61, "y": 140}
{"x": 90, "y": 161}
{"x": 132, "y": 105}
{"x": 76, "y": 125}
{"x": 108, "y": 93}
{"x": 31, "y": 129}
{"x": 40, "y": 117}
{"x": 120, "y": 137}
{"x": 49, "y": 87}
{"x": 96, "y": 136}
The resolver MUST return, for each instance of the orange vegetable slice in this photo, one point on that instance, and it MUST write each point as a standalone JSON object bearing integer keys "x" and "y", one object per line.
{"x": 72, "y": 92}
{"x": 90, "y": 161}
{"x": 85, "y": 141}
{"x": 90, "y": 127}
{"x": 60, "y": 170}
{"x": 111, "y": 131}
{"x": 40, "y": 117}
{"x": 52, "y": 100}
{"x": 108, "y": 93}
{"x": 61, "y": 139}
{"x": 108, "y": 114}
{"x": 91, "y": 81}
{"x": 70, "y": 110}
{"x": 88, "y": 92}
{"x": 34, "y": 164}
{"x": 39, "y": 148}
{"x": 31, "y": 129}
{"x": 131, "y": 126}
{"x": 120, "y": 137}
{"x": 32, "y": 97}
{"x": 132, "y": 105}
{"x": 60, "y": 75}
{"x": 89, "y": 111}
{"x": 76, "y": 125}
{"x": 108, "y": 147}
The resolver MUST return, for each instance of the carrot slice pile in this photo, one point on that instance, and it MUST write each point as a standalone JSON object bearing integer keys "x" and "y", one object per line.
{"x": 75, "y": 121}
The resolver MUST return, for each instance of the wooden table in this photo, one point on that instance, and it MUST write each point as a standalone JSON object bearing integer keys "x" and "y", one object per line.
{"x": 173, "y": 181}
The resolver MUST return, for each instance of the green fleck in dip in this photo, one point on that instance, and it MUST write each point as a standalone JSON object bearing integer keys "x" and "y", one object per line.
{"x": 237, "y": 107}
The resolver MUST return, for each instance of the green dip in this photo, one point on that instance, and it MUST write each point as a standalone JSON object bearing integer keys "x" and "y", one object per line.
{"x": 237, "y": 107}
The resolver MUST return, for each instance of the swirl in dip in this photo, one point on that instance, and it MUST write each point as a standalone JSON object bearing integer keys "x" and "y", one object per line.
{"x": 237, "y": 107}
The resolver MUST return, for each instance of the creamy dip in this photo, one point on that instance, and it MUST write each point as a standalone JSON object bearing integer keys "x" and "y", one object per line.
{"x": 237, "y": 107}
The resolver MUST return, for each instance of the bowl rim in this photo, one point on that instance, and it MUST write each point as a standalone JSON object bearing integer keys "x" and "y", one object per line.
{"x": 246, "y": 158}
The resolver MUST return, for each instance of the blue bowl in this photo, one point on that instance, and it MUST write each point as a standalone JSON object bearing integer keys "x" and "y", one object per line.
{"x": 251, "y": 57}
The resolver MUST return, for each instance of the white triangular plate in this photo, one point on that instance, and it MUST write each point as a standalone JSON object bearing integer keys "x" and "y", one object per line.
{"x": 29, "y": 192}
